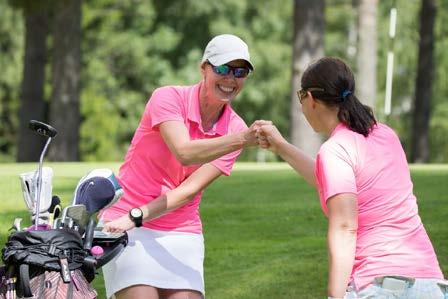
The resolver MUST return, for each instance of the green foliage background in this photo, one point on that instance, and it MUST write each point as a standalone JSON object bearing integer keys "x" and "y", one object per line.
{"x": 130, "y": 47}
{"x": 11, "y": 53}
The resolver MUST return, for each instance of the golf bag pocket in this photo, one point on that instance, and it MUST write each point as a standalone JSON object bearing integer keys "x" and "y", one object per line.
{"x": 45, "y": 264}
{"x": 51, "y": 285}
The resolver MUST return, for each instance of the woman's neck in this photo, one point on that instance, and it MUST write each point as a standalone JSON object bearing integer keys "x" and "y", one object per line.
{"x": 332, "y": 125}
{"x": 210, "y": 112}
{"x": 329, "y": 121}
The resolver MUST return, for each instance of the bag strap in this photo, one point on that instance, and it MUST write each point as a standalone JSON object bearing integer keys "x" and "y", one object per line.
{"x": 24, "y": 280}
{"x": 70, "y": 290}
{"x": 88, "y": 268}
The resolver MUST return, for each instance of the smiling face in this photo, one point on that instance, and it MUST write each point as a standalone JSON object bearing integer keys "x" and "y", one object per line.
{"x": 222, "y": 88}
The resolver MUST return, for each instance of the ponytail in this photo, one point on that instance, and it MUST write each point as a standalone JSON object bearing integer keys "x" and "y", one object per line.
{"x": 356, "y": 116}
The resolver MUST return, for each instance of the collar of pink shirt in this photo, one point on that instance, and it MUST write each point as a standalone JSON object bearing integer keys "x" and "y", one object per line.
{"x": 194, "y": 114}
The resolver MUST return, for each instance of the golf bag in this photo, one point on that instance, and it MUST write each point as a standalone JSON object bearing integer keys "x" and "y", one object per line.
{"x": 57, "y": 257}
{"x": 45, "y": 264}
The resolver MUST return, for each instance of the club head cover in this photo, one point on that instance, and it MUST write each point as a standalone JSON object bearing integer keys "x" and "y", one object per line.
{"x": 28, "y": 182}
{"x": 99, "y": 189}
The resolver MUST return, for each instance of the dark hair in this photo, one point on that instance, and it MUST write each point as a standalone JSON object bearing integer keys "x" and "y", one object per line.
{"x": 337, "y": 82}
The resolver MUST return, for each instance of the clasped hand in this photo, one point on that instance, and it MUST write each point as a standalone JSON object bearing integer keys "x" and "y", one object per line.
{"x": 266, "y": 135}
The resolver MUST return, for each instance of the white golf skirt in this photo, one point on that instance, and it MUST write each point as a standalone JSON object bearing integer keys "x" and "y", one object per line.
{"x": 167, "y": 260}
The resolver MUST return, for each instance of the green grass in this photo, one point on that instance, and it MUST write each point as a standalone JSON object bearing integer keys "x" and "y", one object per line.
{"x": 264, "y": 231}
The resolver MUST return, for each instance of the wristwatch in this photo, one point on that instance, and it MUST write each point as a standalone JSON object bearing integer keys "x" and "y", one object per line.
{"x": 136, "y": 215}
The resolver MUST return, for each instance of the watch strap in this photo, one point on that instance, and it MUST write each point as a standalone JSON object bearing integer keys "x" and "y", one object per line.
{"x": 138, "y": 221}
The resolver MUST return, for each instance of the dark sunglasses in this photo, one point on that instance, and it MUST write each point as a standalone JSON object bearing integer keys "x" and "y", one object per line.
{"x": 302, "y": 93}
{"x": 224, "y": 70}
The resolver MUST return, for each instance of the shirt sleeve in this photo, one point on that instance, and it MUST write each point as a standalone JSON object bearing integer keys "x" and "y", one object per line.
{"x": 334, "y": 172}
{"x": 165, "y": 104}
{"x": 226, "y": 162}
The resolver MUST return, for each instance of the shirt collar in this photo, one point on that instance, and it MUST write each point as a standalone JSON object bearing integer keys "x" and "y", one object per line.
{"x": 339, "y": 127}
{"x": 194, "y": 114}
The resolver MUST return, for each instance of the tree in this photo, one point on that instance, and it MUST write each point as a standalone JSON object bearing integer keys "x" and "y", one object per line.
{"x": 11, "y": 45}
{"x": 32, "y": 105}
{"x": 367, "y": 52}
{"x": 146, "y": 45}
{"x": 309, "y": 23}
{"x": 131, "y": 47}
{"x": 64, "y": 109}
{"x": 423, "y": 94}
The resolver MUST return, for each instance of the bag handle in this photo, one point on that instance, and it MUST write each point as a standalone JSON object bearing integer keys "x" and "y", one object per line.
{"x": 107, "y": 257}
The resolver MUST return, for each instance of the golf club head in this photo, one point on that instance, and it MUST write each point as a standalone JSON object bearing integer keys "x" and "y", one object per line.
{"x": 57, "y": 223}
{"x": 97, "y": 190}
{"x": 17, "y": 225}
{"x": 28, "y": 182}
{"x": 75, "y": 215}
{"x": 42, "y": 128}
{"x": 53, "y": 212}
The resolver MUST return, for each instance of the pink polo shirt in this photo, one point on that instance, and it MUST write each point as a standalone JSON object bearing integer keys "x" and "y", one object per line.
{"x": 391, "y": 239}
{"x": 150, "y": 168}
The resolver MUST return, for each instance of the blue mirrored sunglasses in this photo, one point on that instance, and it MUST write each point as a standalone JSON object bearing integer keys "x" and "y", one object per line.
{"x": 224, "y": 70}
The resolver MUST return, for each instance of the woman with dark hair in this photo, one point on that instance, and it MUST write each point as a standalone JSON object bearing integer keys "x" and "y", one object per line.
{"x": 378, "y": 247}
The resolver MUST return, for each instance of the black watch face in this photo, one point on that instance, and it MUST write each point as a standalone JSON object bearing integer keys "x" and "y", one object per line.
{"x": 136, "y": 213}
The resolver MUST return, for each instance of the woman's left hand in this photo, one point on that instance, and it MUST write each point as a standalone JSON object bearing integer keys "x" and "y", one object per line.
{"x": 119, "y": 225}
{"x": 269, "y": 137}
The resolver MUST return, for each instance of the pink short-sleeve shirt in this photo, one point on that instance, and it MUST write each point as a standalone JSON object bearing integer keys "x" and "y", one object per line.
{"x": 391, "y": 239}
{"x": 150, "y": 168}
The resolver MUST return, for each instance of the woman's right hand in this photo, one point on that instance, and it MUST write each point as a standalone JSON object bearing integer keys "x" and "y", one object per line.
{"x": 250, "y": 137}
{"x": 119, "y": 225}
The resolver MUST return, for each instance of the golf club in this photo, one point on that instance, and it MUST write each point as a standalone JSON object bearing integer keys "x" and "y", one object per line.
{"x": 49, "y": 132}
{"x": 17, "y": 225}
{"x": 75, "y": 215}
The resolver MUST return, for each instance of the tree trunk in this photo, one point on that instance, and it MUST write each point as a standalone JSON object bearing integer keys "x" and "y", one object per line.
{"x": 423, "y": 93}
{"x": 309, "y": 23}
{"x": 64, "y": 110}
{"x": 32, "y": 105}
{"x": 367, "y": 52}
{"x": 7, "y": 127}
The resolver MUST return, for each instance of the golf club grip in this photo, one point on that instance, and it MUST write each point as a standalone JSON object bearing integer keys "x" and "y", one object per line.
{"x": 90, "y": 231}
{"x": 107, "y": 257}
{"x": 42, "y": 128}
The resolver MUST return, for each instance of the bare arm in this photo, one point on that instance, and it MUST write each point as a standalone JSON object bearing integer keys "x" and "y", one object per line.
{"x": 302, "y": 163}
{"x": 341, "y": 238}
{"x": 171, "y": 200}
{"x": 201, "y": 151}
{"x": 270, "y": 138}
